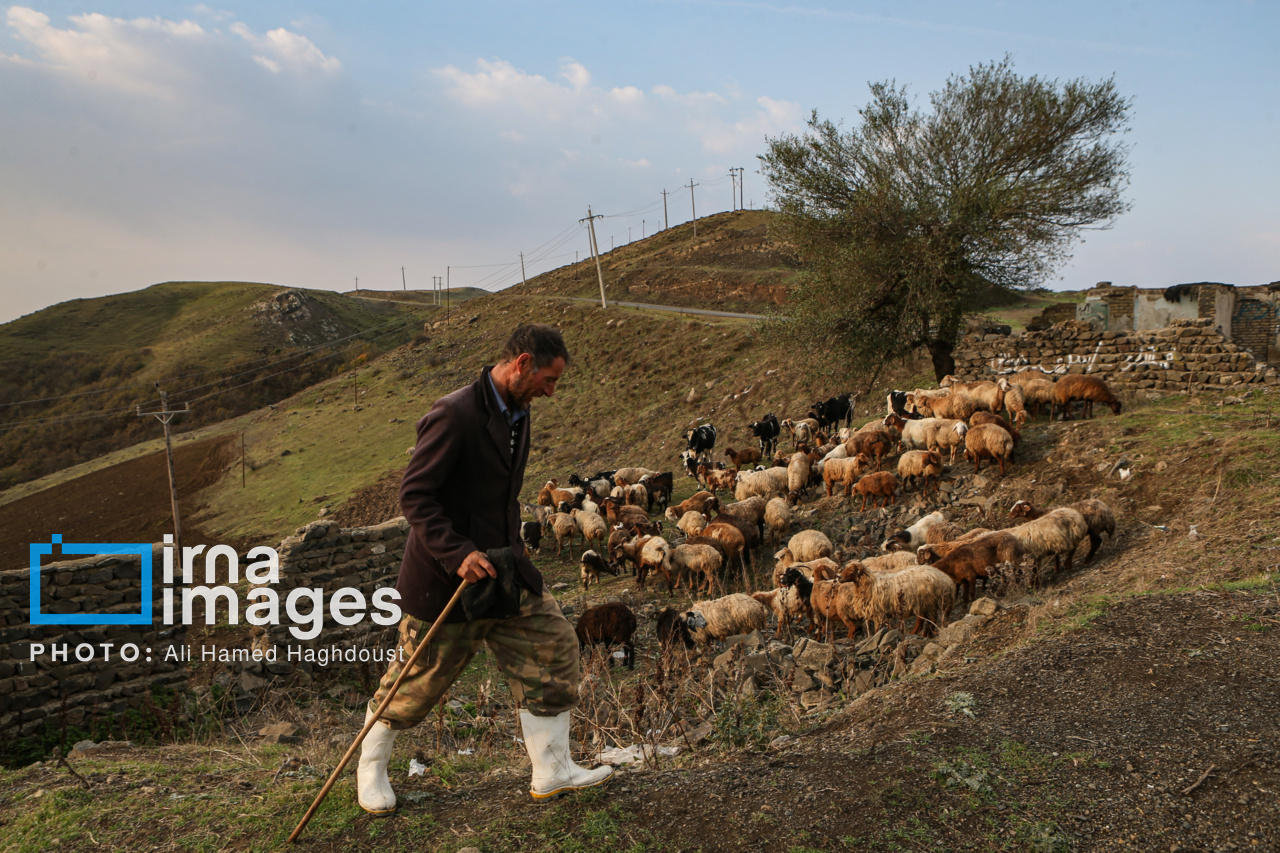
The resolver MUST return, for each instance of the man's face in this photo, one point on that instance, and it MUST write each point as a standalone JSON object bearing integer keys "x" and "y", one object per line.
{"x": 530, "y": 382}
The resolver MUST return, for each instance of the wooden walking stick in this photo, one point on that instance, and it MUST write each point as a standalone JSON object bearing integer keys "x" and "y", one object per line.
{"x": 377, "y": 715}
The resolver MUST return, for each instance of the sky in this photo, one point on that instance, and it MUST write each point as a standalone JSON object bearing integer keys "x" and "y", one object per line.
{"x": 313, "y": 143}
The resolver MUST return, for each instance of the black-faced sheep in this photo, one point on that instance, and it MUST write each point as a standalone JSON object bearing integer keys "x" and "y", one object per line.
{"x": 988, "y": 441}
{"x": 869, "y": 597}
{"x": 911, "y": 538}
{"x": 608, "y": 625}
{"x": 1080, "y": 387}
{"x": 1098, "y": 517}
{"x": 531, "y": 533}
{"x": 593, "y": 565}
{"x": 674, "y": 629}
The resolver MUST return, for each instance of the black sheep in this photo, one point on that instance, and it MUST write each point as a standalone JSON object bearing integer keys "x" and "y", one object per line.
{"x": 609, "y": 624}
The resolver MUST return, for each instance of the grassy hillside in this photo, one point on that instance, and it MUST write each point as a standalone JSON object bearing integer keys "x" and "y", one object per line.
{"x": 77, "y": 370}
{"x": 736, "y": 263}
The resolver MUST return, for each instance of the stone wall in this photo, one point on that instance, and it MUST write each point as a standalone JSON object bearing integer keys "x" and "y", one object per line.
{"x": 73, "y": 690}
{"x": 1190, "y": 355}
{"x": 323, "y": 555}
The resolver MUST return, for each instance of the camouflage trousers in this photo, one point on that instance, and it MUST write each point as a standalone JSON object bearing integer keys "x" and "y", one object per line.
{"x": 537, "y": 651}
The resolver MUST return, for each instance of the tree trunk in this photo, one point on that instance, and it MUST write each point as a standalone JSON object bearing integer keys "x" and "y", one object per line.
{"x": 944, "y": 362}
{"x": 943, "y": 345}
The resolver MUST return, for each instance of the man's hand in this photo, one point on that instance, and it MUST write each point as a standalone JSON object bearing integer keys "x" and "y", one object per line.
{"x": 476, "y": 567}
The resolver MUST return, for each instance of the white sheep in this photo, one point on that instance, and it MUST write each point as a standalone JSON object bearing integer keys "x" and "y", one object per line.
{"x": 1057, "y": 533}
{"x": 810, "y": 545}
{"x": 913, "y": 537}
{"x": 769, "y": 483}
{"x": 725, "y": 617}
{"x": 777, "y": 518}
{"x": 798, "y": 473}
{"x": 594, "y": 529}
{"x": 894, "y": 561}
{"x": 690, "y": 561}
{"x": 692, "y": 523}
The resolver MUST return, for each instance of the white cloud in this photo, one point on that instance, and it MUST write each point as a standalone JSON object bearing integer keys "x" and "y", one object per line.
{"x": 287, "y": 49}
{"x": 141, "y": 56}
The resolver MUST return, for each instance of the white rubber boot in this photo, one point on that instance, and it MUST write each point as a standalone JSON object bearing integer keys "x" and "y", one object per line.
{"x": 372, "y": 785}
{"x": 554, "y": 771}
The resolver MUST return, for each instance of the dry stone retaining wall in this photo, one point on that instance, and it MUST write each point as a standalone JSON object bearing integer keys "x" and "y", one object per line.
{"x": 1189, "y": 355}
{"x": 71, "y": 691}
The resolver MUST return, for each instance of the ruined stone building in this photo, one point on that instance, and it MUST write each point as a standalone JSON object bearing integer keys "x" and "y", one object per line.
{"x": 1246, "y": 316}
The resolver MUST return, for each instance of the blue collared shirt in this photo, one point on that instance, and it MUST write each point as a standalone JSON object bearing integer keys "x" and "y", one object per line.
{"x": 512, "y": 416}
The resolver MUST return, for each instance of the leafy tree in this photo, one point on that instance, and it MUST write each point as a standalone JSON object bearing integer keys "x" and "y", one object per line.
{"x": 911, "y": 220}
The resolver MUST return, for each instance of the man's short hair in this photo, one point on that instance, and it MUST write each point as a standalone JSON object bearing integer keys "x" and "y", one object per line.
{"x": 541, "y": 341}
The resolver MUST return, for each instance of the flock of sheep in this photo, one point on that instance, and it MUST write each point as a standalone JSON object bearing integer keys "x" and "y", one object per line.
{"x": 924, "y": 568}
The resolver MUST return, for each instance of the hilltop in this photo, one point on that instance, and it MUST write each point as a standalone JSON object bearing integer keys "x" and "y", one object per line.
{"x": 230, "y": 347}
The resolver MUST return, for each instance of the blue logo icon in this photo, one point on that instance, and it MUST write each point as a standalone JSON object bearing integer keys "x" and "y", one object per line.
{"x": 142, "y": 550}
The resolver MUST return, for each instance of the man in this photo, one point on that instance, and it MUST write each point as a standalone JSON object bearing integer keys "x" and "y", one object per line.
{"x": 460, "y": 495}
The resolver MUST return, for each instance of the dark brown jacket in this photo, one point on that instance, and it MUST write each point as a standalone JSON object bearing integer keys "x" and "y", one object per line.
{"x": 461, "y": 493}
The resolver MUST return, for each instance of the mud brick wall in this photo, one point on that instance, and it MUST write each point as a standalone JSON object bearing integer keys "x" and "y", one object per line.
{"x": 35, "y": 692}
{"x": 328, "y": 557}
{"x": 1188, "y": 356}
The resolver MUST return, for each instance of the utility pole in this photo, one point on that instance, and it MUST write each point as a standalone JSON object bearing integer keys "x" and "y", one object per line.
{"x": 595, "y": 251}
{"x": 742, "y": 188}
{"x": 733, "y": 187}
{"x": 665, "y": 226}
{"x": 165, "y": 415}
{"x": 641, "y": 229}
{"x": 448, "y": 294}
{"x": 694, "y": 204}
{"x": 357, "y": 284}
{"x": 403, "y": 285}
{"x": 522, "y": 277}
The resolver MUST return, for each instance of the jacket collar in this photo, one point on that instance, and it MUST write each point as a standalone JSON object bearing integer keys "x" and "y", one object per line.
{"x": 497, "y": 427}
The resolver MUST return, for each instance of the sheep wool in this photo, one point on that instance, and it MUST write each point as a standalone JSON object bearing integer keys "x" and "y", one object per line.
{"x": 733, "y": 614}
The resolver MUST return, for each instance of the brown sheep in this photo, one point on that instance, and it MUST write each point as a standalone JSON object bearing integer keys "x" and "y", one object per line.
{"x": 746, "y": 456}
{"x": 969, "y": 561}
{"x": 1037, "y": 394}
{"x": 718, "y": 479}
{"x": 988, "y": 441}
{"x": 922, "y": 464}
{"x": 880, "y": 484}
{"x": 694, "y": 502}
{"x": 876, "y": 444}
{"x": 1088, "y": 389}
{"x": 609, "y": 624}
{"x": 980, "y": 418}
